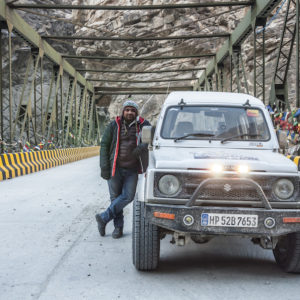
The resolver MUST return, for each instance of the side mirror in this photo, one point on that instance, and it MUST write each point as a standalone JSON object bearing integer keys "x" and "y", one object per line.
{"x": 282, "y": 139}
{"x": 148, "y": 134}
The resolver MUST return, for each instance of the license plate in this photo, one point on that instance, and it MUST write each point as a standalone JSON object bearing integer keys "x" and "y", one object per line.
{"x": 229, "y": 220}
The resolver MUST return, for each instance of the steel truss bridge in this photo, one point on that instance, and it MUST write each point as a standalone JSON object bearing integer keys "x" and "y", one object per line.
{"x": 62, "y": 108}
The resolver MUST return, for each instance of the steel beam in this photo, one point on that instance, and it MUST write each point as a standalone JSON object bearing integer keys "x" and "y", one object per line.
{"x": 47, "y": 111}
{"x": 82, "y": 113}
{"x": 297, "y": 54}
{"x": 140, "y": 72}
{"x": 69, "y": 118}
{"x": 261, "y": 8}
{"x": 1, "y": 99}
{"x": 62, "y": 118}
{"x": 145, "y": 90}
{"x": 137, "y": 58}
{"x": 76, "y": 114}
{"x": 236, "y": 66}
{"x": 87, "y": 116}
{"x": 28, "y": 114}
{"x": 137, "y": 39}
{"x": 74, "y": 111}
{"x": 6, "y": 96}
{"x": 279, "y": 86}
{"x": 34, "y": 39}
{"x": 42, "y": 92}
{"x": 98, "y": 126}
{"x": 34, "y": 102}
{"x": 104, "y": 88}
{"x": 54, "y": 109}
{"x": 220, "y": 77}
{"x": 10, "y": 93}
{"x": 231, "y": 70}
{"x": 91, "y": 119}
{"x": 66, "y": 101}
{"x": 133, "y": 7}
{"x": 65, "y": 106}
{"x": 209, "y": 83}
{"x": 244, "y": 75}
{"x": 259, "y": 65}
{"x": 241, "y": 84}
{"x": 142, "y": 81}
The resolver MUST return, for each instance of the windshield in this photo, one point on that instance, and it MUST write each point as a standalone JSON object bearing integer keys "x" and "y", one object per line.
{"x": 215, "y": 123}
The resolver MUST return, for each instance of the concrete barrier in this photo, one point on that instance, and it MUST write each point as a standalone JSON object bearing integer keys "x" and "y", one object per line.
{"x": 22, "y": 163}
{"x": 295, "y": 159}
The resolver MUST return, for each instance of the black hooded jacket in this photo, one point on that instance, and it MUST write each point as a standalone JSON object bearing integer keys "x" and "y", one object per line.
{"x": 110, "y": 144}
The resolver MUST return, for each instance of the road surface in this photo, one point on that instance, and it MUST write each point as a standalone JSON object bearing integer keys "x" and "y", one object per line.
{"x": 50, "y": 249}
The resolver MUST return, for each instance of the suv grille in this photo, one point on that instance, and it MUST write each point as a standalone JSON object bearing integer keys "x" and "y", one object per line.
{"x": 225, "y": 191}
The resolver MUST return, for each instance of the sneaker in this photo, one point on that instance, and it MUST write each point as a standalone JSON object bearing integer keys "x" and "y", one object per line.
{"x": 101, "y": 224}
{"x": 117, "y": 233}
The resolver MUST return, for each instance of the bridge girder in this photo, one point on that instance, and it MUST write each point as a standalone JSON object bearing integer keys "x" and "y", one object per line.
{"x": 68, "y": 106}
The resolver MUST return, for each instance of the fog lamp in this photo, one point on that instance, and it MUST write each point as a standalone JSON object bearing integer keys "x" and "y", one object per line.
{"x": 269, "y": 222}
{"x": 188, "y": 220}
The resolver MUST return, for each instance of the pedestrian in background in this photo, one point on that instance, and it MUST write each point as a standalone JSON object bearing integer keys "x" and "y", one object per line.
{"x": 122, "y": 157}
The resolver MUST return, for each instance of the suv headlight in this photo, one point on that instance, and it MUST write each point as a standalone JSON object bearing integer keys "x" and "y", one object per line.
{"x": 283, "y": 188}
{"x": 168, "y": 184}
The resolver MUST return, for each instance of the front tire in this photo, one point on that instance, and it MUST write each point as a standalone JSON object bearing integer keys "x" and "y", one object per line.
{"x": 287, "y": 252}
{"x": 145, "y": 240}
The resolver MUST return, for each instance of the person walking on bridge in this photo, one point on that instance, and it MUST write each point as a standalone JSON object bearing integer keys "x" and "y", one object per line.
{"x": 122, "y": 157}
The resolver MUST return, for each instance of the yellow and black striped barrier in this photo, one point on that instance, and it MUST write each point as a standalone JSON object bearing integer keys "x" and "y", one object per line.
{"x": 22, "y": 163}
{"x": 295, "y": 159}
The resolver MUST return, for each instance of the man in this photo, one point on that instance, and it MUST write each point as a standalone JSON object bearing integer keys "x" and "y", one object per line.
{"x": 122, "y": 157}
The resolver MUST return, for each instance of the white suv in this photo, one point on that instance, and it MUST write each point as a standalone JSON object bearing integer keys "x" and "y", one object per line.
{"x": 215, "y": 169}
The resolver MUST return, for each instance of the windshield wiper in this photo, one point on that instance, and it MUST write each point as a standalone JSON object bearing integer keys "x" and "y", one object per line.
{"x": 240, "y": 135}
{"x": 194, "y": 134}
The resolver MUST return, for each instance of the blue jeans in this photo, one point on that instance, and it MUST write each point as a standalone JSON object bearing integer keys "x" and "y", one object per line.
{"x": 122, "y": 189}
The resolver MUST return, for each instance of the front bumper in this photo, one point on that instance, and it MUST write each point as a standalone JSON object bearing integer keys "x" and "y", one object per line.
{"x": 180, "y": 211}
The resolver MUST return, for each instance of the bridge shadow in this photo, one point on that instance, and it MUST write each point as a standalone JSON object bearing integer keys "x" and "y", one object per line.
{"x": 216, "y": 264}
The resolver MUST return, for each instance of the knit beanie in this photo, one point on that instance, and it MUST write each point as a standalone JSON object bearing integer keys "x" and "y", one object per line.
{"x": 132, "y": 104}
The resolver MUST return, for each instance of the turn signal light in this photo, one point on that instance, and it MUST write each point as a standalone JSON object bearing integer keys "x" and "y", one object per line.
{"x": 291, "y": 220}
{"x": 161, "y": 215}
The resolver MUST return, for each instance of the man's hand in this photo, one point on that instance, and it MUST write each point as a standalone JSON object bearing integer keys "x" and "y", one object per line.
{"x": 139, "y": 149}
{"x": 105, "y": 174}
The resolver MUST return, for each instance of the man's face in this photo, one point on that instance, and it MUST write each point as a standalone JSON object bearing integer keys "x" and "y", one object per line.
{"x": 129, "y": 113}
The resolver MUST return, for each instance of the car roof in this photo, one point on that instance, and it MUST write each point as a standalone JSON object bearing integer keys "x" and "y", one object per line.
{"x": 217, "y": 98}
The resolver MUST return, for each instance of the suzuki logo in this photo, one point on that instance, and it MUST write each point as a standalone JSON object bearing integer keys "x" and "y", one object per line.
{"x": 227, "y": 187}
